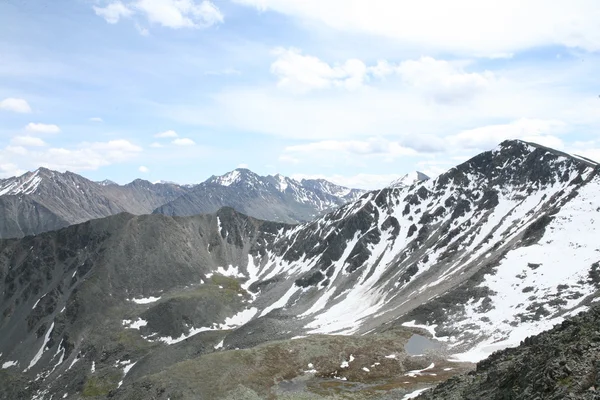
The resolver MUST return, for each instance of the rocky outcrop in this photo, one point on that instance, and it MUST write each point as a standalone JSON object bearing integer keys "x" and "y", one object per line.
{"x": 561, "y": 364}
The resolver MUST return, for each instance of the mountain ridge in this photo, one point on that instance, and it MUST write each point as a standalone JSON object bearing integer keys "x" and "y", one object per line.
{"x": 271, "y": 197}
{"x": 45, "y": 200}
{"x": 475, "y": 257}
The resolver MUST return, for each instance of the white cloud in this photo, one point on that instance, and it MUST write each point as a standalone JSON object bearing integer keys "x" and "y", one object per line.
{"x": 407, "y": 109}
{"x": 348, "y": 148}
{"x": 27, "y": 141}
{"x": 143, "y": 169}
{"x": 141, "y": 30}
{"x": 166, "y": 134}
{"x": 42, "y": 128}
{"x": 301, "y": 73}
{"x": 440, "y": 80}
{"x": 180, "y": 13}
{"x": 17, "y": 150}
{"x": 474, "y": 27}
{"x": 9, "y": 170}
{"x": 96, "y": 119}
{"x": 333, "y": 154}
{"x": 113, "y": 12}
{"x": 85, "y": 156}
{"x": 15, "y": 105}
{"x": 168, "y": 13}
{"x": 183, "y": 142}
{"x": 156, "y": 145}
{"x": 533, "y": 130}
{"x": 445, "y": 82}
{"x": 242, "y": 165}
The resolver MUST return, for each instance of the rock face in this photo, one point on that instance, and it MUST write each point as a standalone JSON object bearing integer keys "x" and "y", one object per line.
{"x": 498, "y": 248}
{"x": 46, "y": 200}
{"x": 273, "y": 198}
{"x": 561, "y": 364}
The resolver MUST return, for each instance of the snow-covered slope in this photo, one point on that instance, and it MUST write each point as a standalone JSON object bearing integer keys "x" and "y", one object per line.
{"x": 496, "y": 249}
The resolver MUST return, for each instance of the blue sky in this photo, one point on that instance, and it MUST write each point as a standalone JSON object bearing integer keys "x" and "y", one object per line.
{"x": 356, "y": 91}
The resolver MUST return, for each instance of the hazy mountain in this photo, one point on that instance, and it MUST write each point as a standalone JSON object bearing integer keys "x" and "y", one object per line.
{"x": 45, "y": 200}
{"x": 273, "y": 198}
{"x": 496, "y": 249}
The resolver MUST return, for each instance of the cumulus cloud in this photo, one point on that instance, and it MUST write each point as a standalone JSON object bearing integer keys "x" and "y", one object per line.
{"x": 27, "y": 141}
{"x": 533, "y": 130}
{"x": 440, "y": 80}
{"x": 183, "y": 142}
{"x": 167, "y": 134}
{"x": 350, "y": 150}
{"x": 302, "y": 73}
{"x": 156, "y": 145}
{"x": 473, "y": 27}
{"x": 143, "y": 169}
{"x": 15, "y": 105}
{"x": 173, "y": 14}
{"x": 85, "y": 156}
{"x": 445, "y": 82}
{"x": 8, "y": 170}
{"x": 42, "y": 128}
{"x": 113, "y": 12}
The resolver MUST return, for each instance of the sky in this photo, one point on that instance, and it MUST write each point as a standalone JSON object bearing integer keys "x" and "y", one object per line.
{"x": 359, "y": 92}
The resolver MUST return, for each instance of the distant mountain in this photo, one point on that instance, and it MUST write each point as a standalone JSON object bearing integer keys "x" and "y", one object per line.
{"x": 226, "y": 306}
{"x": 45, "y": 200}
{"x": 273, "y": 198}
{"x": 409, "y": 179}
{"x": 107, "y": 182}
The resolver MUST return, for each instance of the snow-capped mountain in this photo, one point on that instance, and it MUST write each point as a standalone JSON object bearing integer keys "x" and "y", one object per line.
{"x": 409, "y": 179}
{"x": 45, "y": 200}
{"x": 496, "y": 249}
{"x": 274, "y": 198}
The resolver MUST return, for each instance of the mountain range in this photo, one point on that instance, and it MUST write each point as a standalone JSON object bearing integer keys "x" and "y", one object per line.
{"x": 228, "y": 306}
{"x": 46, "y": 200}
{"x": 274, "y": 198}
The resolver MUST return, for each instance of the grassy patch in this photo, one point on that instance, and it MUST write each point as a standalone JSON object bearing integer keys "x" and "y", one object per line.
{"x": 101, "y": 385}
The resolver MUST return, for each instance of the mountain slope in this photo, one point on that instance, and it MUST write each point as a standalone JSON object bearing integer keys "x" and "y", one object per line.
{"x": 561, "y": 364}
{"x": 274, "y": 198}
{"x": 498, "y": 248}
{"x": 45, "y": 200}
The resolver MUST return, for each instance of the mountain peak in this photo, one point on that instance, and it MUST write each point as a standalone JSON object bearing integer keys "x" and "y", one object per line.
{"x": 235, "y": 178}
{"x": 107, "y": 182}
{"x": 409, "y": 179}
{"x": 529, "y": 147}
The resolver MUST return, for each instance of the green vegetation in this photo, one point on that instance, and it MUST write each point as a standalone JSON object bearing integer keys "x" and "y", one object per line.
{"x": 101, "y": 385}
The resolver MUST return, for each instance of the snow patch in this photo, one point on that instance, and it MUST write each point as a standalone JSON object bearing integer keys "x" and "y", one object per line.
{"x": 146, "y": 300}
{"x": 9, "y": 364}
{"x": 40, "y": 352}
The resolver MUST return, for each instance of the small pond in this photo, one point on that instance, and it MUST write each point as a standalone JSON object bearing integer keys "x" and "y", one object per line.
{"x": 418, "y": 344}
